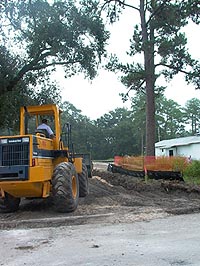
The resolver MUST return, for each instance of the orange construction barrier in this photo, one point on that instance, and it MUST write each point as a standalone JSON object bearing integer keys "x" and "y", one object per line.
{"x": 117, "y": 160}
{"x": 151, "y": 163}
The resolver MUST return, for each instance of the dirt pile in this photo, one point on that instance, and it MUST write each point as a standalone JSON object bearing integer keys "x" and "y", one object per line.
{"x": 172, "y": 196}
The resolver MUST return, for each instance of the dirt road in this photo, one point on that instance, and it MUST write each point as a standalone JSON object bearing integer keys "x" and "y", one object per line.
{"x": 113, "y": 198}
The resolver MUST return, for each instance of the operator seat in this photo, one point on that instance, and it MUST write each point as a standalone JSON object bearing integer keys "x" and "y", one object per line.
{"x": 43, "y": 132}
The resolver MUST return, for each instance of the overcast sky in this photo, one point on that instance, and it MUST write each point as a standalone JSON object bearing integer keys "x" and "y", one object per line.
{"x": 102, "y": 95}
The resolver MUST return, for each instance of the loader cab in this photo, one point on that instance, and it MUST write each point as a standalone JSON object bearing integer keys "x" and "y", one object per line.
{"x": 31, "y": 117}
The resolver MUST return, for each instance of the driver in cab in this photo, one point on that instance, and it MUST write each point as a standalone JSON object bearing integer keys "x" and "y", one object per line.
{"x": 45, "y": 126}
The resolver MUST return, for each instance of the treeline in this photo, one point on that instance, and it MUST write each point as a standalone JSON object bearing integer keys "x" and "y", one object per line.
{"x": 121, "y": 131}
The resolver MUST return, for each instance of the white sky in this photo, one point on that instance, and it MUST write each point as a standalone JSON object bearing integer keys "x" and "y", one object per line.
{"x": 101, "y": 95}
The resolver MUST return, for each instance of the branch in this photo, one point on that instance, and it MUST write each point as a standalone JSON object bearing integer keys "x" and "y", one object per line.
{"x": 32, "y": 66}
{"x": 18, "y": 77}
{"x": 39, "y": 67}
{"x": 121, "y": 3}
{"x": 42, "y": 56}
{"x": 172, "y": 67}
{"x": 131, "y": 88}
{"x": 24, "y": 70}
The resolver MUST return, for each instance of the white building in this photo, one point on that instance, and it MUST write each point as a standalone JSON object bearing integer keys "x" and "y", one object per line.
{"x": 187, "y": 146}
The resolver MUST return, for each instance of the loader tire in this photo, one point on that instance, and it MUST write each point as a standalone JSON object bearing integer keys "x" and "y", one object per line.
{"x": 65, "y": 188}
{"x": 9, "y": 203}
{"x": 83, "y": 182}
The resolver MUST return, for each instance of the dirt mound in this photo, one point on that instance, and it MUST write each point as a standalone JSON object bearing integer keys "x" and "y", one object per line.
{"x": 172, "y": 196}
{"x": 139, "y": 184}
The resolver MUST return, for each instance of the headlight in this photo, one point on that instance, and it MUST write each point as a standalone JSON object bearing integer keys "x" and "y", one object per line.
{"x": 4, "y": 141}
{"x": 25, "y": 139}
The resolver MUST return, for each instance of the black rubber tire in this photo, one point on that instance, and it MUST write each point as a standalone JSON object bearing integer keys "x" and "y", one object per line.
{"x": 9, "y": 203}
{"x": 65, "y": 187}
{"x": 83, "y": 182}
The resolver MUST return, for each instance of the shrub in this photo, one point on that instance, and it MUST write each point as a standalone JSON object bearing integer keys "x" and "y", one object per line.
{"x": 179, "y": 164}
{"x": 191, "y": 173}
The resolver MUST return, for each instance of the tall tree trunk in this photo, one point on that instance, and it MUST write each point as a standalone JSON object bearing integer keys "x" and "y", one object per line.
{"x": 148, "y": 49}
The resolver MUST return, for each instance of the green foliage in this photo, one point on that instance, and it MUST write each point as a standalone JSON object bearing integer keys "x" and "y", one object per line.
{"x": 110, "y": 135}
{"x": 83, "y": 130}
{"x": 193, "y": 10}
{"x": 192, "y": 113}
{"x": 170, "y": 119}
{"x": 8, "y": 63}
{"x": 24, "y": 93}
{"x": 117, "y": 134}
{"x": 192, "y": 173}
{"x": 53, "y": 33}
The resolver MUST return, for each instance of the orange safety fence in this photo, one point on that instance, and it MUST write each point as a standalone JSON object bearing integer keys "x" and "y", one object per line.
{"x": 117, "y": 160}
{"x": 151, "y": 163}
{"x": 130, "y": 162}
{"x": 157, "y": 164}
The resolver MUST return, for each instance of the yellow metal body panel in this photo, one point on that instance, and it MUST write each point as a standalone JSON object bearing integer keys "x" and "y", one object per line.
{"x": 59, "y": 160}
{"x": 78, "y": 165}
{"x": 23, "y": 189}
{"x": 45, "y": 144}
{"x": 46, "y": 189}
{"x": 40, "y": 173}
{"x": 38, "y": 184}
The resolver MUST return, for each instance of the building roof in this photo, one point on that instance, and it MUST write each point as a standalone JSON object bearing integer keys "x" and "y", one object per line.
{"x": 169, "y": 143}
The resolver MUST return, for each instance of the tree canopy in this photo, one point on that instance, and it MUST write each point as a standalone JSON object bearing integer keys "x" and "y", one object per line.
{"x": 45, "y": 34}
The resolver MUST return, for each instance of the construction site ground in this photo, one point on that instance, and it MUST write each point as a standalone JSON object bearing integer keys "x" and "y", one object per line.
{"x": 113, "y": 198}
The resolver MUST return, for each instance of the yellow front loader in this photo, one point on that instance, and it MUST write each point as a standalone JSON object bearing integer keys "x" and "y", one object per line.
{"x": 35, "y": 166}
